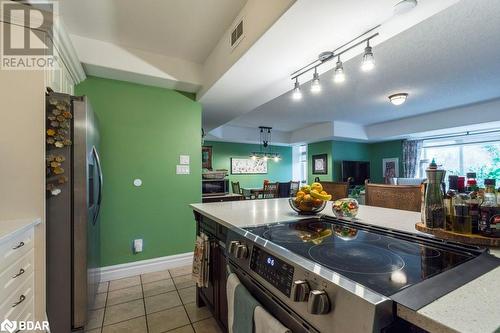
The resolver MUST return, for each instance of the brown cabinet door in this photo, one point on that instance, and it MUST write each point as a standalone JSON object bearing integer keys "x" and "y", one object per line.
{"x": 221, "y": 286}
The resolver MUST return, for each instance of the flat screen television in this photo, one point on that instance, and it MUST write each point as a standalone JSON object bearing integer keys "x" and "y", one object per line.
{"x": 359, "y": 171}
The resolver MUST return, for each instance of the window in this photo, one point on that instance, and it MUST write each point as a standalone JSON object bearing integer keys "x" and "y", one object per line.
{"x": 464, "y": 154}
{"x": 300, "y": 163}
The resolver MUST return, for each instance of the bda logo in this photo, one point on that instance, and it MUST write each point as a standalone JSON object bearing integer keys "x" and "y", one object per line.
{"x": 8, "y": 326}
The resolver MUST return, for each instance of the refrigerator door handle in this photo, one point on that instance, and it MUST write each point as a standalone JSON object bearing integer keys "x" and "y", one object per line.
{"x": 99, "y": 196}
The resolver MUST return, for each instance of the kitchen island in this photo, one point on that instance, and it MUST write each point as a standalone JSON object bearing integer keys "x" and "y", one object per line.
{"x": 470, "y": 308}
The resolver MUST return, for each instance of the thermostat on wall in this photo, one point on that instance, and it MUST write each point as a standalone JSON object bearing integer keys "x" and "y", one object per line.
{"x": 137, "y": 182}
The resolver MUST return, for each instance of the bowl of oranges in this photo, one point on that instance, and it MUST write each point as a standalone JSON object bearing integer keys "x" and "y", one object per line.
{"x": 310, "y": 199}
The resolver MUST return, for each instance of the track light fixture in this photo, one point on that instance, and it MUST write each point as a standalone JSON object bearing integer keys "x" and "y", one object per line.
{"x": 339, "y": 75}
{"x": 297, "y": 94}
{"x": 368, "y": 60}
{"x": 367, "y": 64}
{"x": 315, "y": 85}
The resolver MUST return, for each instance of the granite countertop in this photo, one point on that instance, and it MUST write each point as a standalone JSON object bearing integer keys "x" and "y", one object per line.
{"x": 11, "y": 227}
{"x": 470, "y": 308}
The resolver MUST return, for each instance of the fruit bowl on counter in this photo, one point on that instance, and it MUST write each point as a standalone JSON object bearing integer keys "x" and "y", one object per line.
{"x": 346, "y": 207}
{"x": 310, "y": 199}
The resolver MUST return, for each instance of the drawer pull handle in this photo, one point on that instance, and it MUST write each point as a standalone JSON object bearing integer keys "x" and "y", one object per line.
{"x": 21, "y": 272}
{"x": 21, "y": 244}
{"x": 21, "y": 299}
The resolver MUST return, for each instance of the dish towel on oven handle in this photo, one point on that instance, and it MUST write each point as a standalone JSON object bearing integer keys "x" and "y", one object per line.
{"x": 201, "y": 262}
{"x": 241, "y": 306}
{"x": 265, "y": 323}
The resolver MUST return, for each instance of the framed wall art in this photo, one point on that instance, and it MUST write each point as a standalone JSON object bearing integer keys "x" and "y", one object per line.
{"x": 241, "y": 166}
{"x": 320, "y": 164}
{"x": 390, "y": 168}
{"x": 206, "y": 157}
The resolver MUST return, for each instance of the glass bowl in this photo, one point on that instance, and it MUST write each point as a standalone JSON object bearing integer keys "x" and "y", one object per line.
{"x": 347, "y": 207}
{"x": 307, "y": 208}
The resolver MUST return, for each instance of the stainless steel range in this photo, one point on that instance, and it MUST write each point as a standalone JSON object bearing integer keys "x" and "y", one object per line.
{"x": 327, "y": 275}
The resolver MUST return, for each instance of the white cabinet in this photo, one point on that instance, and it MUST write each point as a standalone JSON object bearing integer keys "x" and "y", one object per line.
{"x": 17, "y": 267}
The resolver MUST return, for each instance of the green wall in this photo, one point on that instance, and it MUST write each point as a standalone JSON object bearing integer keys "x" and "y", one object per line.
{"x": 347, "y": 151}
{"x": 280, "y": 171}
{"x": 318, "y": 148}
{"x": 353, "y": 151}
{"x": 381, "y": 150}
{"x": 143, "y": 131}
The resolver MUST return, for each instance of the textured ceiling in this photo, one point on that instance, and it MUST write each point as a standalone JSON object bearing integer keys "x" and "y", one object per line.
{"x": 185, "y": 29}
{"x": 448, "y": 60}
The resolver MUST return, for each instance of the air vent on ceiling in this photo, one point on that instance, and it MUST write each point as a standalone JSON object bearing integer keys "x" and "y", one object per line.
{"x": 237, "y": 34}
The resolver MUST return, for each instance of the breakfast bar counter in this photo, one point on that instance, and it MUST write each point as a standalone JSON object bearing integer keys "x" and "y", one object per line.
{"x": 470, "y": 308}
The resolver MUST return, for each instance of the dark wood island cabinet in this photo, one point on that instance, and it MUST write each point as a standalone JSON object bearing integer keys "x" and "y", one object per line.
{"x": 214, "y": 296}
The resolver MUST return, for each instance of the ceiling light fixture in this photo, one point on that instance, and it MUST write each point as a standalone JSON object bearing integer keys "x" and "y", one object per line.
{"x": 398, "y": 99}
{"x": 368, "y": 60}
{"x": 315, "y": 85}
{"x": 404, "y": 6}
{"x": 339, "y": 76}
{"x": 324, "y": 57}
{"x": 265, "y": 152}
{"x": 297, "y": 94}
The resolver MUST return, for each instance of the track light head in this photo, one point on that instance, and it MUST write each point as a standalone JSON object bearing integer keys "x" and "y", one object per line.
{"x": 339, "y": 75}
{"x": 315, "y": 85}
{"x": 368, "y": 60}
{"x": 296, "y": 94}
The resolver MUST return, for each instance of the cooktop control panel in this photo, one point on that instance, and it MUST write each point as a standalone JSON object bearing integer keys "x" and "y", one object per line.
{"x": 273, "y": 270}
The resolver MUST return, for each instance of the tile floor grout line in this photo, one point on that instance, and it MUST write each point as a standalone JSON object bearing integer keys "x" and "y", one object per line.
{"x": 104, "y": 313}
{"x": 144, "y": 304}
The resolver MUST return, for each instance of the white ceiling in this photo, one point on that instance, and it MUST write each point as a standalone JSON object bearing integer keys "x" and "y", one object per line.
{"x": 448, "y": 60}
{"x": 185, "y": 29}
{"x": 296, "y": 38}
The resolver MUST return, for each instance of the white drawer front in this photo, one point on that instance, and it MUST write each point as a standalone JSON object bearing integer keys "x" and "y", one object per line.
{"x": 12, "y": 277}
{"x": 20, "y": 297}
{"x": 15, "y": 247}
{"x": 26, "y": 314}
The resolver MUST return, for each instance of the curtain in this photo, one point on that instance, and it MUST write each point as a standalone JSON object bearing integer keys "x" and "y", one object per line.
{"x": 411, "y": 157}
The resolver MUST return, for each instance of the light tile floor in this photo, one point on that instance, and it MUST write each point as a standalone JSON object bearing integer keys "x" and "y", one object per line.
{"x": 150, "y": 303}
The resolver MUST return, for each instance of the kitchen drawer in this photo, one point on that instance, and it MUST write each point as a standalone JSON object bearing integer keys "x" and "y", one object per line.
{"x": 13, "y": 248}
{"x": 24, "y": 293}
{"x": 12, "y": 277}
{"x": 26, "y": 314}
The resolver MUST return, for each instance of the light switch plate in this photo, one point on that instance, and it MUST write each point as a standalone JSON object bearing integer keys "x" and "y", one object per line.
{"x": 184, "y": 159}
{"x": 182, "y": 169}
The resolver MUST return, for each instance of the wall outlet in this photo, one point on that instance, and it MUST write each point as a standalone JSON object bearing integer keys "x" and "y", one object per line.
{"x": 182, "y": 169}
{"x": 137, "y": 245}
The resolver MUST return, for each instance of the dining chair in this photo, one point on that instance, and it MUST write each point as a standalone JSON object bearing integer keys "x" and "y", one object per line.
{"x": 405, "y": 197}
{"x": 270, "y": 190}
{"x": 294, "y": 188}
{"x": 247, "y": 194}
{"x": 235, "y": 186}
{"x": 338, "y": 190}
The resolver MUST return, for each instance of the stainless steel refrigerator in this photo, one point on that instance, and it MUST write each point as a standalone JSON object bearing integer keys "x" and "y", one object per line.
{"x": 74, "y": 193}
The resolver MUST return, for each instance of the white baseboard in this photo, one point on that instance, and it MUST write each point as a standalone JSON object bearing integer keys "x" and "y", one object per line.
{"x": 145, "y": 266}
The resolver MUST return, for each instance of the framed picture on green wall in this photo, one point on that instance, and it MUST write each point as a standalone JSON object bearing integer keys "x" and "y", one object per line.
{"x": 206, "y": 157}
{"x": 320, "y": 164}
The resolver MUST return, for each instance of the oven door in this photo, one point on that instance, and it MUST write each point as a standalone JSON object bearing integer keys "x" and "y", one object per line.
{"x": 272, "y": 304}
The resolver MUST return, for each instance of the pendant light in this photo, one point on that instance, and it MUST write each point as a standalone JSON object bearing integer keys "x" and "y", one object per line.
{"x": 315, "y": 85}
{"x": 368, "y": 60}
{"x": 339, "y": 75}
{"x": 265, "y": 151}
{"x": 297, "y": 94}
